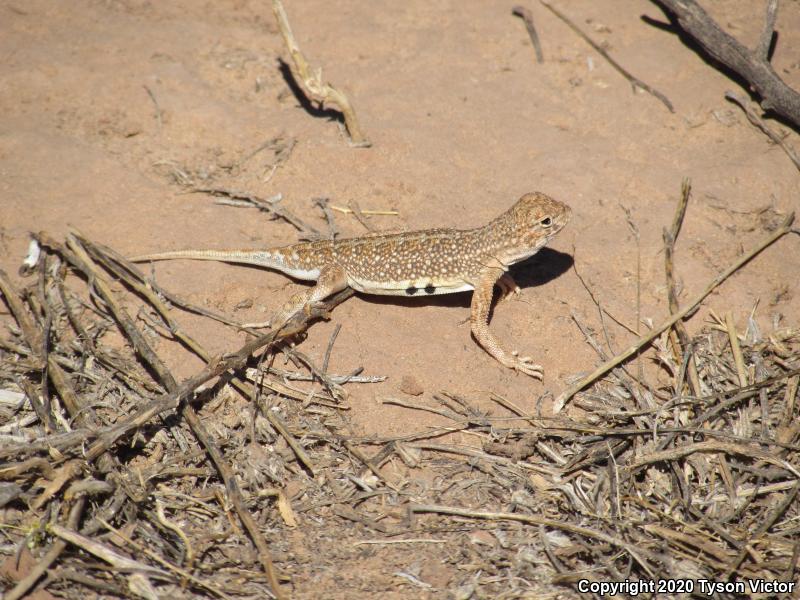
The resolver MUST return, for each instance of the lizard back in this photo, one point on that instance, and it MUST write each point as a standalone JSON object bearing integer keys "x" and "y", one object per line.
{"x": 432, "y": 261}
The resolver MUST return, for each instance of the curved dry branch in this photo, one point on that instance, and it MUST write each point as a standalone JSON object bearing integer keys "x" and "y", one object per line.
{"x": 752, "y": 65}
{"x": 312, "y": 83}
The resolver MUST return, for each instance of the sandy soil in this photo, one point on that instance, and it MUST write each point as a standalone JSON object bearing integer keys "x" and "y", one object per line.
{"x": 462, "y": 120}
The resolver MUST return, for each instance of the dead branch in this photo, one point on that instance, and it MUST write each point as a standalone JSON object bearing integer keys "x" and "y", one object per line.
{"x": 311, "y": 80}
{"x": 636, "y": 553}
{"x": 271, "y": 206}
{"x": 25, "y": 584}
{"x": 60, "y": 379}
{"x": 752, "y": 65}
{"x": 746, "y": 450}
{"x": 324, "y": 206}
{"x": 130, "y": 275}
{"x": 784, "y": 504}
{"x": 360, "y": 217}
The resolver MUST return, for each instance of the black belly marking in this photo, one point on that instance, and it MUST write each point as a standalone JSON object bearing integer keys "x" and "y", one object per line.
{"x": 429, "y": 289}
{"x": 411, "y": 290}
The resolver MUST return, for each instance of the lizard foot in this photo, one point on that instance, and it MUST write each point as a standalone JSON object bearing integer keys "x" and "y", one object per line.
{"x": 526, "y": 365}
{"x": 508, "y": 287}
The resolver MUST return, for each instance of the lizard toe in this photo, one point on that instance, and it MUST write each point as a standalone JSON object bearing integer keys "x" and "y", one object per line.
{"x": 523, "y": 364}
{"x": 509, "y": 293}
{"x": 527, "y": 366}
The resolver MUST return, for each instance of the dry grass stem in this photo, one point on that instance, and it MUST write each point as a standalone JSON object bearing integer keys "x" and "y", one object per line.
{"x": 347, "y": 211}
{"x": 736, "y": 349}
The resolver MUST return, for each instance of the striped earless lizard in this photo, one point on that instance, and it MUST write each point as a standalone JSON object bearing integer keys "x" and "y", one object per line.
{"x": 433, "y": 261}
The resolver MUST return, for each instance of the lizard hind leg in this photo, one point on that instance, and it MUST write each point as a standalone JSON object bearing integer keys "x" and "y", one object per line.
{"x": 331, "y": 279}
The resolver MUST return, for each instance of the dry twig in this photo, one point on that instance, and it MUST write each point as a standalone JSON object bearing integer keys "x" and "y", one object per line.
{"x": 636, "y": 553}
{"x": 271, "y": 206}
{"x": 758, "y": 122}
{"x": 527, "y": 16}
{"x": 25, "y": 584}
{"x": 85, "y": 263}
{"x": 634, "y": 81}
{"x": 312, "y": 83}
{"x": 682, "y": 343}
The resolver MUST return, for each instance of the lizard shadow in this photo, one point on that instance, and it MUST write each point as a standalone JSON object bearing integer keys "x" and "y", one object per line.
{"x": 542, "y": 267}
{"x": 539, "y": 269}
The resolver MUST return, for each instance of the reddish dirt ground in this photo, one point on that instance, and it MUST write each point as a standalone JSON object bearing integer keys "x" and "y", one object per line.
{"x": 462, "y": 120}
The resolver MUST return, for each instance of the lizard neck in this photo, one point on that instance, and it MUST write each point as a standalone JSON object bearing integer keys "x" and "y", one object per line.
{"x": 504, "y": 241}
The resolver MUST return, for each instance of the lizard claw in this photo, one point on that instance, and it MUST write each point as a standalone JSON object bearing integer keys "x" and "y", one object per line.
{"x": 526, "y": 365}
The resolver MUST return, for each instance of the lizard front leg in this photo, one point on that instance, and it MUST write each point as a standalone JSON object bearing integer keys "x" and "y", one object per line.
{"x": 479, "y": 320}
{"x": 331, "y": 279}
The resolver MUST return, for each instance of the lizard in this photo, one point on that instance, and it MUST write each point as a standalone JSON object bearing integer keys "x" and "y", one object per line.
{"x": 427, "y": 262}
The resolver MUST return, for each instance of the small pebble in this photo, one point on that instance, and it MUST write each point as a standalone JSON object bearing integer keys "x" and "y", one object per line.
{"x": 410, "y": 386}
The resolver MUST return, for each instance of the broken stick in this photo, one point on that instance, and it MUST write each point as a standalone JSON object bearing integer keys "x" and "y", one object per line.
{"x": 311, "y": 80}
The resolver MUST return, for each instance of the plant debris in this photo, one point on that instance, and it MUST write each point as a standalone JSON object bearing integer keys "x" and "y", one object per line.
{"x": 109, "y": 488}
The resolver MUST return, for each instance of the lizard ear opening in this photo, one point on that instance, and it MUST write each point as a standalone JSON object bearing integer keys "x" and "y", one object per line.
{"x": 546, "y": 222}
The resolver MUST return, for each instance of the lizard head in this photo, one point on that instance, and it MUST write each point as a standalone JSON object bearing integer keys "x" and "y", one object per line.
{"x": 528, "y": 225}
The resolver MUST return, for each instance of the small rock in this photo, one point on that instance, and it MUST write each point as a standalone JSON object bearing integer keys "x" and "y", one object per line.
{"x": 409, "y": 385}
{"x": 481, "y": 537}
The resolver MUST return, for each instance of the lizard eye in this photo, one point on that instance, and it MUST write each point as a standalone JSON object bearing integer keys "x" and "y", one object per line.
{"x": 546, "y": 222}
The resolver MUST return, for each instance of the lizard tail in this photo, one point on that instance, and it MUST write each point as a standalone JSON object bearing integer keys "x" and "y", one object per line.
{"x": 263, "y": 258}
